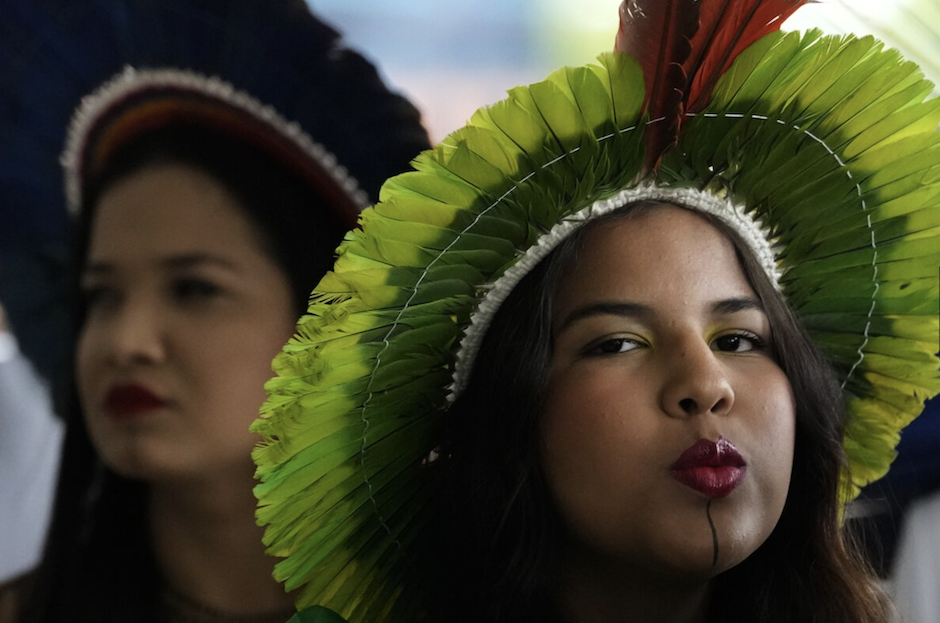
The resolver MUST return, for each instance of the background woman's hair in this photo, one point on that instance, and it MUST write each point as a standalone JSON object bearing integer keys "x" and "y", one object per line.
{"x": 98, "y": 564}
{"x": 502, "y": 567}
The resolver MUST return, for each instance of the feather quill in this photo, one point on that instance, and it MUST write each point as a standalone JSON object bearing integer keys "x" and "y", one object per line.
{"x": 698, "y": 42}
{"x": 672, "y": 23}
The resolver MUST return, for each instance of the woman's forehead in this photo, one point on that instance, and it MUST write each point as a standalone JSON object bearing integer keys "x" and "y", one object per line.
{"x": 664, "y": 266}
{"x": 656, "y": 248}
{"x": 169, "y": 211}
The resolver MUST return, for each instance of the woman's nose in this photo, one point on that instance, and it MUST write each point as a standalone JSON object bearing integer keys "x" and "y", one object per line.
{"x": 696, "y": 383}
{"x": 136, "y": 334}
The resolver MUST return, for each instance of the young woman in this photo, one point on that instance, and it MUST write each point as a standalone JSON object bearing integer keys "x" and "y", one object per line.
{"x": 185, "y": 298}
{"x": 624, "y": 347}
{"x": 203, "y": 218}
{"x": 664, "y": 407}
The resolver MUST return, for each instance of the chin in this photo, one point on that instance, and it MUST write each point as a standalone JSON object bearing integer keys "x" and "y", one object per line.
{"x": 139, "y": 462}
{"x": 126, "y": 464}
{"x": 698, "y": 565}
{"x": 694, "y": 559}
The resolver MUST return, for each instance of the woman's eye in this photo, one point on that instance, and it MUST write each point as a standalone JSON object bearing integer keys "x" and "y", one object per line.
{"x": 737, "y": 343}
{"x": 192, "y": 289}
{"x": 614, "y": 346}
{"x": 98, "y": 296}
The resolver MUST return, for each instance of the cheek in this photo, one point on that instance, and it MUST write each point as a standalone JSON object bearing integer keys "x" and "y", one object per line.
{"x": 88, "y": 365}
{"x": 766, "y": 415}
{"x": 232, "y": 371}
{"x": 578, "y": 434}
{"x": 746, "y": 522}
{"x": 593, "y": 457}
{"x": 91, "y": 380}
{"x": 776, "y": 443}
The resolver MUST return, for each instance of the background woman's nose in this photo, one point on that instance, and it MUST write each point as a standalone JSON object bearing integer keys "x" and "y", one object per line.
{"x": 135, "y": 334}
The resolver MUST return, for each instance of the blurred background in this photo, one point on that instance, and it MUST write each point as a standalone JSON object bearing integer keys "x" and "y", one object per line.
{"x": 451, "y": 58}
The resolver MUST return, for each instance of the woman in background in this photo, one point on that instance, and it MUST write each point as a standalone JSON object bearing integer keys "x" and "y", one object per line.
{"x": 203, "y": 219}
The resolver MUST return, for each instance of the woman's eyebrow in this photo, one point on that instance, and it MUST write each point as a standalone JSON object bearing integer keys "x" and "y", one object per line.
{"x": 190, "y": 260}
{"x": 736, "y": 304}
{"x": 175, "y": 262}
{"x": 638, "y": 310}
{"x": 606, "y": 308}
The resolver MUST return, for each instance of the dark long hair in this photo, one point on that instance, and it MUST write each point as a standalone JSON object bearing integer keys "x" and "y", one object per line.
{"x": 98, "y": 565}
{"x": 503, "y": 566}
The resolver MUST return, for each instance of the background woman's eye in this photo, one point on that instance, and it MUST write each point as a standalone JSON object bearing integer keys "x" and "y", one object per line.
{"x": 737, "y": 343}
{"x": 99, "y": 297}
{"x": 191, "y": 289}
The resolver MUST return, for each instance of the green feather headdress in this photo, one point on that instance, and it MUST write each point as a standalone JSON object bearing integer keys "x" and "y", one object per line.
{"x": 829, "y": 142}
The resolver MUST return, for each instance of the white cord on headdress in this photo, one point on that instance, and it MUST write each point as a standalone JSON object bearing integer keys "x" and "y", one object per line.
{"x": 723, "y": 208}
{"x": 95, "y": 107}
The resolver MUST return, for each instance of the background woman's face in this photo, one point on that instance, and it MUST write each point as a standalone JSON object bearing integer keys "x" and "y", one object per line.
{"x": 185, "y": 311}
{"x": 660, "y": 343}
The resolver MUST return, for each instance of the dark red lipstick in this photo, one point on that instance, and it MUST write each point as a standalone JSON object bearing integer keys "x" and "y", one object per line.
{"x": 130, "y": 401}
{"x": 713, "y": 468}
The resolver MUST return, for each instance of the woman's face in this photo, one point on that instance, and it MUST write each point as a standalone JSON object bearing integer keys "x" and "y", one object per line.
{"x": 185, "y": 311}
{"x": 667, "y": 435}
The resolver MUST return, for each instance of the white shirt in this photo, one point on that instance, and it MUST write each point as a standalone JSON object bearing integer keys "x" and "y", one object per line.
{"x": 916, "y": 577}
{"x": 30, "y": 447}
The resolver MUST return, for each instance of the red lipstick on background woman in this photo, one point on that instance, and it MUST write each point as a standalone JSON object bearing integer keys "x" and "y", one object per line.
{"x": 130, "y": 400}
{"x": 713, "y": 468}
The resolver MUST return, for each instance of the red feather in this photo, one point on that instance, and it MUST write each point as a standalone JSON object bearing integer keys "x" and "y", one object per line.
{"x": 658, "y": 34}
{"x": 727, "y": 28}
{"x": 684, "y": 47}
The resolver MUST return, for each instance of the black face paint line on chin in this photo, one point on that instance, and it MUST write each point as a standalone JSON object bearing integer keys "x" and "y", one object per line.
{"x": 711, "y": 524}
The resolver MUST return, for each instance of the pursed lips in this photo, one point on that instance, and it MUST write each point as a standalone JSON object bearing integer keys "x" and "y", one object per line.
{"x": 713, "y": 468}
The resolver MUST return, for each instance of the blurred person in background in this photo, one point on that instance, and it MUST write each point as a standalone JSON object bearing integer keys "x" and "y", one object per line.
{"x": 209, "y": 185}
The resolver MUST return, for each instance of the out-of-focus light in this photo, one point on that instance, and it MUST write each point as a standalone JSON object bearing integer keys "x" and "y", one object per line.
{"x": 585, "y": 15}
{"x": 910, "y": 26}
{"x": 838, "y": 17}
{"x": 572, "y": 33}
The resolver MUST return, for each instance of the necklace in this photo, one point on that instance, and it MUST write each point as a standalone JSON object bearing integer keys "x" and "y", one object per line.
{"x": 183, "y": 609}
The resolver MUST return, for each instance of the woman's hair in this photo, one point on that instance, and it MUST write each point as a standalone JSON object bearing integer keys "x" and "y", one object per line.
{"x": 98, "y": 565}
{"x": 503, "y": 565}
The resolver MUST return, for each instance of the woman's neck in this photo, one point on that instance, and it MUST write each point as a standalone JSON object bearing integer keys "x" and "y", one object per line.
{"x": 209, "y": 548}
{"x": 593, "y": 592}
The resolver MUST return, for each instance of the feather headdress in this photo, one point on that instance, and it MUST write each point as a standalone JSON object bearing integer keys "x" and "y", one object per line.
{"x": 829, "y": 142}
